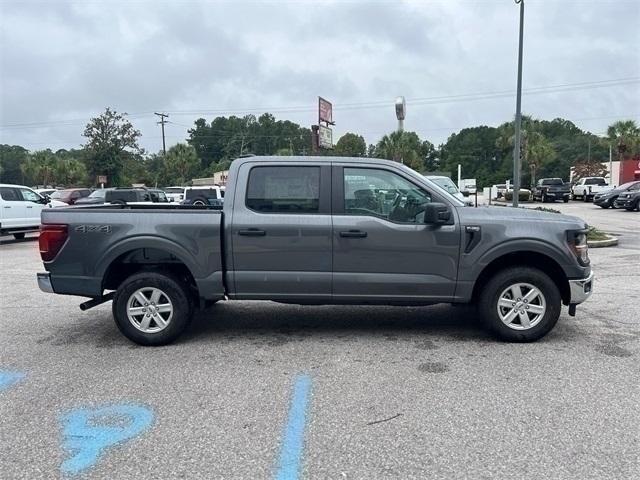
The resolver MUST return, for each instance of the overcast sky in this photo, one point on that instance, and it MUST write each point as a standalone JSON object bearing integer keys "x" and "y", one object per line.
{"x": 63, "y": 62}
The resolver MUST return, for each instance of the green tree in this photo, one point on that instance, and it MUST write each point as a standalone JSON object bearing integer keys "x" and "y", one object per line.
{"x": 351, "y": 145}
{"x": 111, "y": 141}
{"x": 11, "y": 159}
{"x": 180, "y": 164}
{"x": 404, "y": 147}
{"x": 625, "y": 135}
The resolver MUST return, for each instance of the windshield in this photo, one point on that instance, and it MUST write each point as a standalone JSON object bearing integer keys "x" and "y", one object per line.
{"x": 552, "y": 181}
{"x": 446, "y": 183}
{"x": 100, "y": 193}
{"x": 59, "y": 194}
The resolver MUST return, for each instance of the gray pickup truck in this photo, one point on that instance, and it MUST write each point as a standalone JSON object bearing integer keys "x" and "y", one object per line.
{"x": 318, "y": 230}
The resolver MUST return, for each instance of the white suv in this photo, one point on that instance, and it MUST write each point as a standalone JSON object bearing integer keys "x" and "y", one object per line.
{"x": 20, "y": 209}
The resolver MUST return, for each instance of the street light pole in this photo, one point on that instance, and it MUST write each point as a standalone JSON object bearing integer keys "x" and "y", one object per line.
{"x": 516, "y": 149}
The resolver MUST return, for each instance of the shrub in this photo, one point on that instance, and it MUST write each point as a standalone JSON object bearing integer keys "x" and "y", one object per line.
{"x": 523, "y": 196}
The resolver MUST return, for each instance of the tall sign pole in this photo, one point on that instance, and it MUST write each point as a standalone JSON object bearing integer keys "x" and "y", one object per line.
{"x": 516, "y": 149}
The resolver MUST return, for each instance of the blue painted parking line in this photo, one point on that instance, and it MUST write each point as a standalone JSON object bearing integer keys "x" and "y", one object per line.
{"x": 88, "y": 432}
{"x": 292, "y": 447}
{"x": 7, "y": 379}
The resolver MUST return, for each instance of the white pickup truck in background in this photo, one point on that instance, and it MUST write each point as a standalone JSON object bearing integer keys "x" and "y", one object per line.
{"x": 587, "y": 187}
{"x": 20, "y": 209}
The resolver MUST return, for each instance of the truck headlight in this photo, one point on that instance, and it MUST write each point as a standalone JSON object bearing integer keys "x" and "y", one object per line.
{"x": 577, "y": 240}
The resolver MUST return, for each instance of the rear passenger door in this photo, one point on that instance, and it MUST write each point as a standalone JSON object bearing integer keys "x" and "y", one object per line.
{"x": 13, "y": 207}
{"x": 280, "y": 234}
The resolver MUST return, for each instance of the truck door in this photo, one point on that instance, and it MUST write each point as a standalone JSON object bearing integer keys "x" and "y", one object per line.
{"x": 13, "y": 207}
{"x": 280, "y": 232}
{"x": 382, "y": 250}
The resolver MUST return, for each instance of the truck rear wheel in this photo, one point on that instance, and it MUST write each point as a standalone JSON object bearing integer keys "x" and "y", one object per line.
{"x": 520, "y": 304}
{"x": 152, "y": 308}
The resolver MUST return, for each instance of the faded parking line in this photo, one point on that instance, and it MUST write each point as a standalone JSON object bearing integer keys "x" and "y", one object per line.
{"x": 293, "y": 442}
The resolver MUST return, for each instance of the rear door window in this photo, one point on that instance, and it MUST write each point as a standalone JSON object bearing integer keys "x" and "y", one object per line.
{"x": 10, "y": 194}
{"x": 284, "y": 189}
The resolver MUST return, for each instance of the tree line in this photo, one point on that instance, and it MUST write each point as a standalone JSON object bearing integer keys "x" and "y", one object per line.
{"x": 549, "y": 149}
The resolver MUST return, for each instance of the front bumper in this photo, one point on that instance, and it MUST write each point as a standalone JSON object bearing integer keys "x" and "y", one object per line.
{"x": 580, "y": 289}
{"x": 44, "y": 282}
{"x": 624, "y": 203}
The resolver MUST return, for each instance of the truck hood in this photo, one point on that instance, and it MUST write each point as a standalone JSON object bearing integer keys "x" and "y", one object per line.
{"x": 509, "y": 214}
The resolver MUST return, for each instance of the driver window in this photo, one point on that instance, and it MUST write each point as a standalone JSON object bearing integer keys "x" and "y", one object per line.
{"x": 30, "y": 195}
{"x": 383, "y": 194}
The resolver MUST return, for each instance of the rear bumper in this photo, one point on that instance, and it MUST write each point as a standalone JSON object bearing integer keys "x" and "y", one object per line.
{"x": 44, "y": 282}
{"x": 580, "y": 289}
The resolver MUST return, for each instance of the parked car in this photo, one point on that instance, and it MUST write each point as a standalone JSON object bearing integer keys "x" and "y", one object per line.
{"x": 586, "y": 188}
{"x": 133, "y": 196}
{"x": 175, "y": 194}
{"x": 97, "y": 197}
{"x": 202, "y": 196}
{"x": 318, "y": 230}
{"x": 629, "y": 200}
{"x": 551, "y": 189}
{"x": 70, "y": 195}
{"x": 607, "y": 199}
{"x": 468, "y": 185}
{"x": 20, "y": 209}
{"x": 449, "y": 186}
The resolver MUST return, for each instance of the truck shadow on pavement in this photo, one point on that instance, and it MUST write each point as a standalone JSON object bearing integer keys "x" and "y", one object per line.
{"x": 278, "y": 323}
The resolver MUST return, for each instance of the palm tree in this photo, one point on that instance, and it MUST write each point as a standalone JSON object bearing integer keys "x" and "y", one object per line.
{"x": 626, "y": 135}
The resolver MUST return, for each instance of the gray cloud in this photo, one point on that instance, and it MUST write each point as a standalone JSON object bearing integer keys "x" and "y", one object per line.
{"x": 63, "y": 62}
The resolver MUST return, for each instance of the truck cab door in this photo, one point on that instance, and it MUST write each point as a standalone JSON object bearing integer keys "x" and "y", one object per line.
{"x": 279, "y": 234}
{"x": 32, "y": 206}
{"x": 382, "y": 249}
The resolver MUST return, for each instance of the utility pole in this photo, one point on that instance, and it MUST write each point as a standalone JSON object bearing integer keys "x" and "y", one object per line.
{"x": 516, "y": 150}
{"x": 610, "y": 166}
{"x": 162, "y": 122}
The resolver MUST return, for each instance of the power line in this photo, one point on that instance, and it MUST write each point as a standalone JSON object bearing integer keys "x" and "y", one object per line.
{"x": 417, "y": 101}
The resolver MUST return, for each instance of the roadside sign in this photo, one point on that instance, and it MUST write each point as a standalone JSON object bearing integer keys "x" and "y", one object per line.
{"x": 102, "y": 179}
{"x": 325, "y": 137}
{"x": 325, "y": 111}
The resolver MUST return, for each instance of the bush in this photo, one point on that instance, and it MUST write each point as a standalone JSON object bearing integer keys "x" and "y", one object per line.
{"x": 523, "y": 196}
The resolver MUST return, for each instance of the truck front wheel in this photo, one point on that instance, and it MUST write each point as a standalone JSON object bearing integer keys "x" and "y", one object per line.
{"x": 152, "y": 308}
{"x": 520, "y": 304}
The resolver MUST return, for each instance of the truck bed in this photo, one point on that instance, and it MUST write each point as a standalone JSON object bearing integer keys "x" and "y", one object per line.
{"x": 101, "y": 237}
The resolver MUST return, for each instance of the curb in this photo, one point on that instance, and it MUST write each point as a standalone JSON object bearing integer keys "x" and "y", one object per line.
{"x": 609, "y": 242}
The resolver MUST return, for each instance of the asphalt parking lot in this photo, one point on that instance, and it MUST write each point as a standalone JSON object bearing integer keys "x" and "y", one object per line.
{"x": 258, "y": 390}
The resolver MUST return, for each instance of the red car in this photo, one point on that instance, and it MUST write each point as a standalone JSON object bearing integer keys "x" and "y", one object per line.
{"x": 70, "y": 195}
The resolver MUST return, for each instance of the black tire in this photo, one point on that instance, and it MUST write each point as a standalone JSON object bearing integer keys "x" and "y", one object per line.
{"x": 565, "y": 200}
{"x": 488, "y": 303}
{"x": 200, "y": 202}
{"x": 585, "y": 198}
{"x": 18, "y": 236}
{"x": 172, "y": 288}
{"x": 544, "y": 198}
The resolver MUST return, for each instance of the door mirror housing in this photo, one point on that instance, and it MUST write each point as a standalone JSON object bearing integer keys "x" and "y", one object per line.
{"x": 436, "y": 214}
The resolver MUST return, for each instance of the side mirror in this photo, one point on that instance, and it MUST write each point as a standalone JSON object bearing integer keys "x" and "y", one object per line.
{"x": 44, "y": 199}
{"x": 465, "y": 193}
{"x": 436, "y": 213}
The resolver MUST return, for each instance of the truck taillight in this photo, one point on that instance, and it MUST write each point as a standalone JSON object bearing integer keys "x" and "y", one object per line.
{"x": 52, "y": 238}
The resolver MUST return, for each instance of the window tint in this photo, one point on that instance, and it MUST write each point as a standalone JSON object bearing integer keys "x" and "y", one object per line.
{"x": 29, "y": 195}
{"x": 384, "y": 194}
{"x": 9, "y": 194}
{"x": 284, "y": 189}
{"x": 635, "y": 187}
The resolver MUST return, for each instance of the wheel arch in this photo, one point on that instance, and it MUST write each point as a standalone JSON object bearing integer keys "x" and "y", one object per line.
{"x": 528, "y": 258}
{"x": 145, "y": 253}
